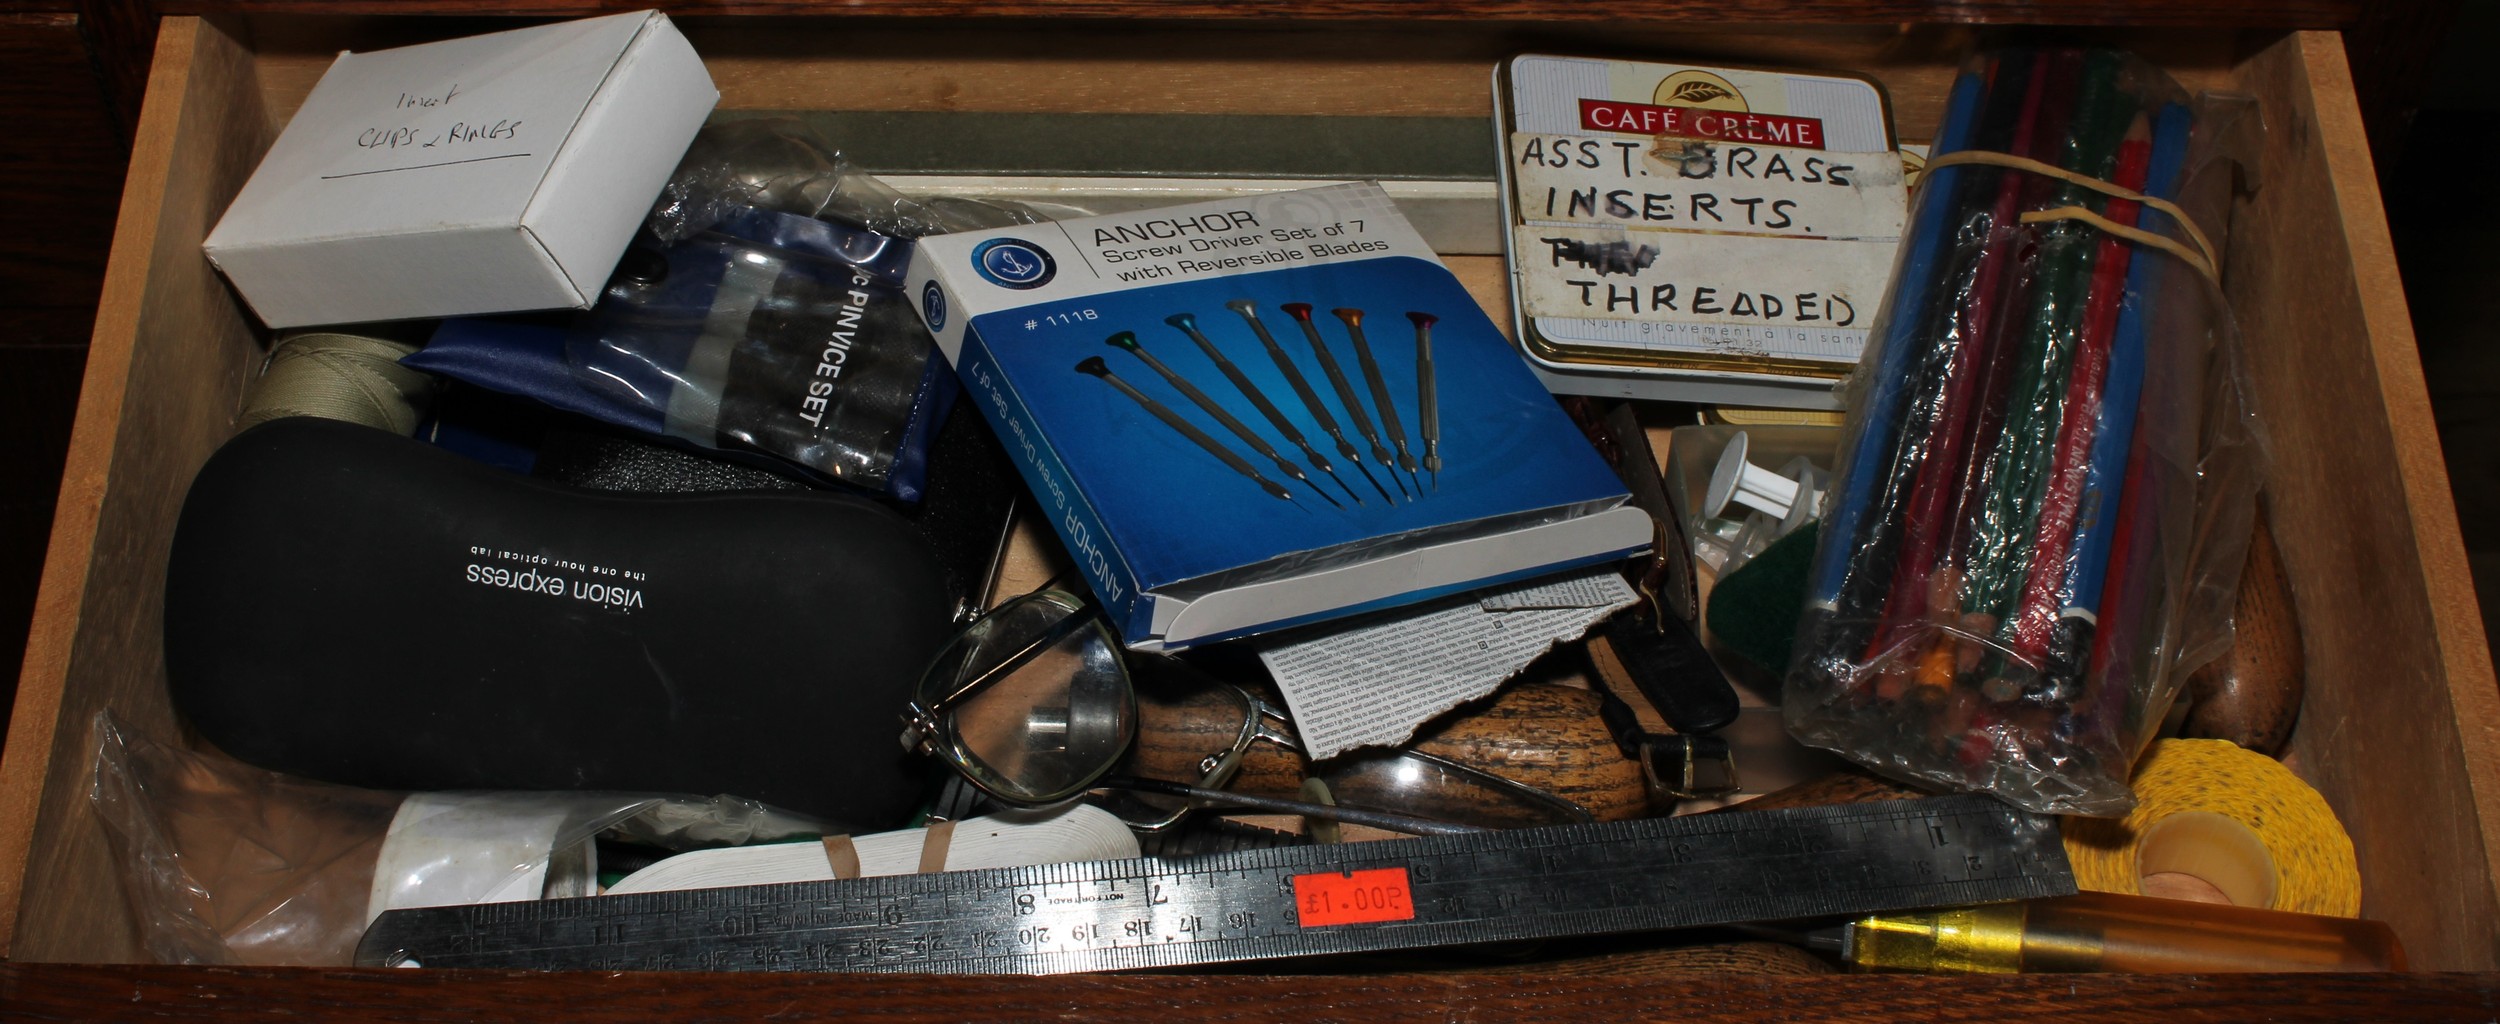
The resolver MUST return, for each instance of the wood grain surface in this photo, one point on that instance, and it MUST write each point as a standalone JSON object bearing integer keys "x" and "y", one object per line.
{"x": 2398, "y": 726}
{"x": 167, "y": 327}
{"x": 2244, "y": 13}
{"x": 72, "y": 992}
{"x": 2251, "y": 694}
{"x": 1283, "y": 66}
{"x": 1544, "y": 735}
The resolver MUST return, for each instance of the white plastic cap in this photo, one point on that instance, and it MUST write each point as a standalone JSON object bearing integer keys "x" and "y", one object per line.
{"x": 1752, "y": 486}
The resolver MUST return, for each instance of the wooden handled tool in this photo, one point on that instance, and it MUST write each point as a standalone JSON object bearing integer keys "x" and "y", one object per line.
{"x": 2251, "y": 695}
{"x": 1540, "y": 734}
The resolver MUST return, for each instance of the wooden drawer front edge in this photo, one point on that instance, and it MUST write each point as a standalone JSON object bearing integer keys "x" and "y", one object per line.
{"x": 71, "y": 992}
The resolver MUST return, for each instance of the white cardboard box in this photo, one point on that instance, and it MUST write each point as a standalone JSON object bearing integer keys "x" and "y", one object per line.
{"x": 489, "y": 174}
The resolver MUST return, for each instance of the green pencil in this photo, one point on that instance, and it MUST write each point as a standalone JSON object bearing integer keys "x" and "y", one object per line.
{"x": 2043, "y": 353}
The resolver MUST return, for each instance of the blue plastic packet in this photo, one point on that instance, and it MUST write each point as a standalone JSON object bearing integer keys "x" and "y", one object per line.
{"x": 766, "y": 332}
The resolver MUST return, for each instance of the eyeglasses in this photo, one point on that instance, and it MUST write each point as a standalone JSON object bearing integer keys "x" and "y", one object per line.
{"x": 1193, "y": 724}
{"x": 1206, "y": 725}
{"x": 1032, "y": 703}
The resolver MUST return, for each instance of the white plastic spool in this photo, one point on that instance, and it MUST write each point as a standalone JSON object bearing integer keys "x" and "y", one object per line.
{"x": 1785, "y": 499}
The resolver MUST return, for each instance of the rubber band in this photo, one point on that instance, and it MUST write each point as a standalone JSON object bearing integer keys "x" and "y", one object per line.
{"x": 933, "y": 844}
{"x": 843, "y": 856}
{"x": 2195, "y": 260}
{"x": 2201, "y": 257}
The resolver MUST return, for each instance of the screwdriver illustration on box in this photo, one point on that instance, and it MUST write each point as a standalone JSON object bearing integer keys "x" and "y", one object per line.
{"x": 1389, "y": 420}
{"x": 1302, "y": 388}
{"x": 1188, "y": 325}
{"x": 1126, "y": 341}
{"x": 1095, "y": 367}
{"x": 1301, "y": 313}
{"x": 1426, "y": 392}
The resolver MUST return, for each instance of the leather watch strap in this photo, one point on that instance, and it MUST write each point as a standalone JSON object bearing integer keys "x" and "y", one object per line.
{"x": 1664, "y": 661}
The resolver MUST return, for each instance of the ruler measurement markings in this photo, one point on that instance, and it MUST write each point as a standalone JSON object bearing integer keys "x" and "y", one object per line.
{"x": 1122, "y": 914}
{"x": 1111, "y": 885}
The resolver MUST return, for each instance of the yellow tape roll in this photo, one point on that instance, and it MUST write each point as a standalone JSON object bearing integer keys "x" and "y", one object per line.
{"x": 2234, "y": 817}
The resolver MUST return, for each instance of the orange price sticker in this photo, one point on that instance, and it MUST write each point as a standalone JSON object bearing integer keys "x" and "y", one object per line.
{"x": 1353, "y": 897}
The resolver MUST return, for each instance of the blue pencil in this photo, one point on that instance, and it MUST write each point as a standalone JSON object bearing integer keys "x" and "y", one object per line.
{"x": 2097, "y": 523}
{"x": 1892, "y": 381}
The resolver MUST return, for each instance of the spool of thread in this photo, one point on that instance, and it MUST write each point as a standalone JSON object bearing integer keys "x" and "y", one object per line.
{"x": 349, "y": 377}
{"x": 2234, "y": 818}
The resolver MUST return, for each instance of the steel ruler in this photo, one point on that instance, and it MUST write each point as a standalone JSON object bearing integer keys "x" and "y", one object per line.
{"x": 1645, "y": 875}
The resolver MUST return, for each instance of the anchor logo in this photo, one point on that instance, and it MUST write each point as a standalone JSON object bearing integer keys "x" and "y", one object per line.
{"x": 1013, "y": 263}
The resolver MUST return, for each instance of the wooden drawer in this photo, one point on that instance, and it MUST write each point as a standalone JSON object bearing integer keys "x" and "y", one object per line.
{"x": 2402, "y": 728}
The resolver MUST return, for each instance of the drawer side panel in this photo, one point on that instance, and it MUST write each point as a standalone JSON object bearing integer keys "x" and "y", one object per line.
{"x": 2398, "y": 729}
{"x": 164, "y": 377}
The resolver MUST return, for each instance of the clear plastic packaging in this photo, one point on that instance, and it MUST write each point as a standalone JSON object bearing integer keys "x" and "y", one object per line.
{"x": 229, "y": 864}
{"x": 2050, "y": 463}
{"x": 760, "y": 311}
{"x": 791, "y": 352}
{"x": 1726, "y": 537}
{"x": 769, "y": 315}
{"x": 781, "y": 165}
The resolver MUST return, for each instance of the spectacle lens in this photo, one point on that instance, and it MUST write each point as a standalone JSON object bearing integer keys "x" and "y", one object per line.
{"x": 1032, "y": 704}
{"x": 1031, "y": 701}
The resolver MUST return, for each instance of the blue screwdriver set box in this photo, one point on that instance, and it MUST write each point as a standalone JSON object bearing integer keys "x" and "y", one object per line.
{"x": 1254, "y": 413}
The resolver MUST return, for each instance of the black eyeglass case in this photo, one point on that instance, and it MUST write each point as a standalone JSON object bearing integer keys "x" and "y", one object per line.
{"x": 349, "y": 605}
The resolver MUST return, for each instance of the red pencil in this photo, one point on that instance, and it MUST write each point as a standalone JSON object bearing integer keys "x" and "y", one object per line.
{"x": 2056, "y": 531}
{"x": 2038, "y": 134}
{"x": 2116, "y": 642}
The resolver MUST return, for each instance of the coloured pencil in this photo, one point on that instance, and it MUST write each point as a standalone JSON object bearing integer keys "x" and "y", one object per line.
{"x": 2041, "y": 358}
{"x": 1973, "y": 410}
{"x": 1965, "y": 342}
{"x": 2052, "y": 539}
{"x": 1893, "y": 363}
{"x": 1848, "y": 583}
{"x": 1990, "y": 379}
{"x": 1887, "y": 388}
{"x": 2098, "y": 519}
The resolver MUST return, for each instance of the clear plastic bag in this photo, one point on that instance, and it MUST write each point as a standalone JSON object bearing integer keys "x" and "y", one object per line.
{"x": 229, "y": 864}
{"x": 768, "y": 315}
{"x": 771, "y": 310}
{"x": 781, "y": 165}
{"x": 760, "y": 311}
{"x": 2050, "y": 462}
{"x": 1699, "y": 468}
